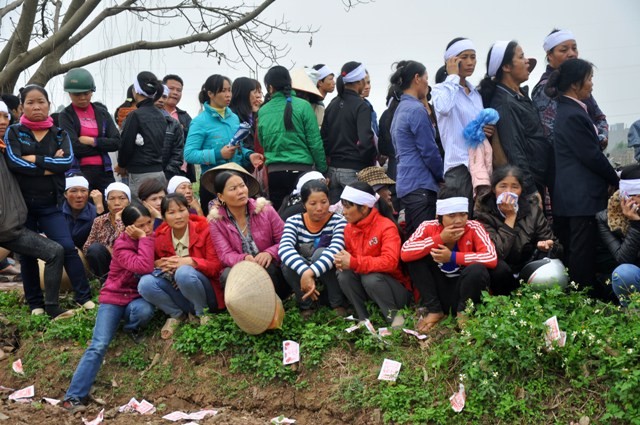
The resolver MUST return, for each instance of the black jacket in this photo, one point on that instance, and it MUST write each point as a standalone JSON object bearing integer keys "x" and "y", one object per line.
{"x": 624, "y": 249}
{"x": 522, "y": 137}
{"x": 582, "y": 172}
{"x": 108, "y": 139}
{"x": 34, "y": 184}
{"x": 13, "y": 211}
{"x": 151, "y": 124}
{"x": 346, "y": 132}
{"x": 185, "y": 121}
{"x": 173, "y": 149}
{"x": 516, "y": 246}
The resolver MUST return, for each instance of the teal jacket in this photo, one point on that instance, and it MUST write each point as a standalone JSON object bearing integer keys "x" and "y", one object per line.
{"x": 208, "y": 133}
{"x": 303, "y": 145}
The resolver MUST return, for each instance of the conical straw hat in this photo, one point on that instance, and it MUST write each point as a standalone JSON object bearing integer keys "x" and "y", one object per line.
{"x": 250, "y": 297}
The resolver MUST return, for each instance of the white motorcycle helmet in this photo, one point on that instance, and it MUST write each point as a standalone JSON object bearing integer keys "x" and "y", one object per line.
{"x": 545, "y": 273}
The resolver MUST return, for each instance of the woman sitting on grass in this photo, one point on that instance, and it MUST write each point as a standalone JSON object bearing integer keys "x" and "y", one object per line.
{"x": 450, "y": 256}
{"x": 119, "y": 300}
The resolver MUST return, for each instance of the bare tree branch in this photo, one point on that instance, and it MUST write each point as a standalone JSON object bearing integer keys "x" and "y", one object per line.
{"x": 11, "y": 6}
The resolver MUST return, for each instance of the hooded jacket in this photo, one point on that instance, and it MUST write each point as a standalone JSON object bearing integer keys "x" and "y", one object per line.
{"x": 130, "y": 260}
{"x": 266, "y": 231}
{"x": 374, "y": 245}
{"x": 201, "y": 250}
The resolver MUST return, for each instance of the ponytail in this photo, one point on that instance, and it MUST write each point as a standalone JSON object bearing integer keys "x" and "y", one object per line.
{"x": 403, "y": 76}
{"x": 279, "y": 79}
{"x": 572, "y": 71}
{"x": 488, "y": 85}
{"x": 288, "y": 109}
{"x": 213, "y": 84}
{"x": 150, "y": 85}
{"x": 346, "y": 68}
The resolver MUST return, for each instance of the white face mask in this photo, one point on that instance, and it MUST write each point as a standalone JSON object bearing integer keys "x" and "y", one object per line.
{"x": 504, "y": 196}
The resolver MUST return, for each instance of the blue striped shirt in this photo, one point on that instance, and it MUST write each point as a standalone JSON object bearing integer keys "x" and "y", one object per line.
{"x": 454, "y": 109}
{"x": 295, "y": 232}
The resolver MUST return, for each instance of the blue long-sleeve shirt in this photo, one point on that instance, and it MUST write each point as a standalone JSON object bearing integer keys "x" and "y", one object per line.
{"x": 420, "y": 165}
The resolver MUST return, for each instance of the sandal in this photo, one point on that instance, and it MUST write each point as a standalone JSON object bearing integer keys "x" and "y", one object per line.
{"x": 429, "y": 321}
{"x": 170, "y": 327}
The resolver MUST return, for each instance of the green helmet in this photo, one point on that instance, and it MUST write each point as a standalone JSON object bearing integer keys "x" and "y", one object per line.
{"x": 79, "y": 80}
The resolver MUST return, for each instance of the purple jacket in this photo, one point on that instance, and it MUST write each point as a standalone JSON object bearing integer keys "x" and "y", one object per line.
{"x": 131, "y": 259}
{"x": 266, "y": 230}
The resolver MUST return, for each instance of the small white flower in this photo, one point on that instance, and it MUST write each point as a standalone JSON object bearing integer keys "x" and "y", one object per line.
{"x": 484, "y": 382}
{"x": 523, "y": 323}
{"x": 513, "y": 312}
{"x": 519, "y": 293}
{"x": 494, "y": 336}
{"x": 517, "y": 347}
{"x": 574, "y": 334}
{"x": 630, "y": 351}
{"x": 608, "y": 282}
{"x": 574, "y": 285}
{"x": 462, "y": 377}
{"x": 591, "y": 337}
{"x": 599, "y": 342}
{"x": 517, "y": 304}
{"x": 596, "y": 311}
{"x": 536, "y": 296}
{"x": 495, "y": 374}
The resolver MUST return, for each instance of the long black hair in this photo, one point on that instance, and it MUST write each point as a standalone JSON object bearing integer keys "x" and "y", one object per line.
{"x": 213, "y": 84}
{"x": 346, "y": 68}
{"x": 499, "y": 174}
{"x": 241, "y": 97}
{"x": 488, "y": 84}
{"x": 572, "y": 71}
{"x": 279, "y": 78}
{"x": 133, "y": 212}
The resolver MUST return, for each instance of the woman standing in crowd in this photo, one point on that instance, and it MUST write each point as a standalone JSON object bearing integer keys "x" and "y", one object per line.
{"x": 385, "y": 142}
{"x": 185, "y": 279}
{"x": 15, "y": 237}
{"x": 119, "y": 300}
{"x": 619, "y": 227}
{"x": 143, "y": 133}
{"x": 457, "y": 102}
{"x": 346, "y": 130}
{"x": 308, "y": 246}
{"x": 560, "y": 46}
{"x": 288, "y": 131}
{"x": 128, "y": 106}
{"x": 451, "y": 257}
{"x": 369, "y": 266}
{"x": 243, "y": 228}
{"x": 583, "y": 173}
{"x": 419, "y": 161}
{"x": 106, "y": 229}
{"x": 246, "y": 99}
{"x": 39, "y": 154}
{"x": 212, "y": 130}
{"x": 519, "y": 128}
{"x": 92, "y": 132}
{"x": 517, "y": 226}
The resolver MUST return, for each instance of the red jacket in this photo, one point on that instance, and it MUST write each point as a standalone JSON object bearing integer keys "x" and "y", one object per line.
{"x": 474, "y": 246}
{"x": 374, "y": 245}
{"x": 201, "y": 250}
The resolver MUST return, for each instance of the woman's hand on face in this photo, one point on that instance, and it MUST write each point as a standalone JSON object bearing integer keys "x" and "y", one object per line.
{"x": 630, "y": 209}
{"x": 453, "y": 66}
{"x": 451, "y": 234}
{"x": 263, "y": 259}
{"x": 508, "y": 207}
{"x": 257, "y": 159}
{"x": 545, "y": 246}
{"x": 154, "y": 212}
{"x": 135, "y": 232}
{"x": 308, "y": 285}
{"x": 227, "y": 151}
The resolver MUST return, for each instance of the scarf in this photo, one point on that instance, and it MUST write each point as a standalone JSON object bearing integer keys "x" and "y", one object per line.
{"x": 36, "y": 125}
{"x": 615, "y": 219}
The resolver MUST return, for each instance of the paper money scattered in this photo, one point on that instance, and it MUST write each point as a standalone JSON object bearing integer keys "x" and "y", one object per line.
{"x": 290, "y": 352}
{"x": 390, "y": 370}
{"x": 414, "y": 333}
{"x": 458, "y": 399}
{"x": 27, "y": 392}
{"x": 17, "y": 367}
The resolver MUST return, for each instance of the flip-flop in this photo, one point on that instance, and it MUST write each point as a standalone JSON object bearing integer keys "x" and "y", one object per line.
{"x": 169, "y": 328}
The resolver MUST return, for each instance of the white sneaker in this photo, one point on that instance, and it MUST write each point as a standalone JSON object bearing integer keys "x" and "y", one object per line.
{"x": 89, "y": 305}
{"x": 37, "y": 312}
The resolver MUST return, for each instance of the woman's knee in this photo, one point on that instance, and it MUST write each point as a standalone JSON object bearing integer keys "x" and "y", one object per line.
{"x": 185, "y": 274}
{"x": 147, "y": 284}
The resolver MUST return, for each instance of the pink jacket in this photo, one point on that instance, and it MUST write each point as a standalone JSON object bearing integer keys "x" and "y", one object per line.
{"x": 480, "y": 165}
{"x": 130, "y": 259}
{"x": 266, "y": 229}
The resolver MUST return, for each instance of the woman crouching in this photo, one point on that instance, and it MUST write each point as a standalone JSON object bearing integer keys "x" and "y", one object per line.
{"x": 369, "y": 266}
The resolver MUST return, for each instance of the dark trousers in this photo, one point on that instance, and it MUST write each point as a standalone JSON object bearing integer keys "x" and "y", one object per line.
{"x": 460, "y": 178}
{"x": 275, "y": 273}
{"x": 205, "y": 198}
{"x": 502, "y": 280}
{"x": 281, "y": 184}
{"x": 97, "y": 177}
{"x": 579, "y": 237}
{"x": 99, "y": 259}
{"x": 442, "y": 294}
{"x": 48, "y": 219}
{"x": 419, "y": 206}
{"x": 31, "y": 245}
{"x": 388, "y": 294}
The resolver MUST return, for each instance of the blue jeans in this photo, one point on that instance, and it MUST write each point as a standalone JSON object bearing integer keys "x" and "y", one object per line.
{"x": 625, "y": 280}
{"x": 48, "y": 219}
{"x": 193, "y": 294}
{"x": 339, "y": 178}
{"x": 136, "y": 314}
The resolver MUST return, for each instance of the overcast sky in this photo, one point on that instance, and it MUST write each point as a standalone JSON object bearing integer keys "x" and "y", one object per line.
{"x": 385, "y": 31}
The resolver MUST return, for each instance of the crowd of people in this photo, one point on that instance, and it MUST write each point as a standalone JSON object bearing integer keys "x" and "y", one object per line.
{"x": 455, "y": 190}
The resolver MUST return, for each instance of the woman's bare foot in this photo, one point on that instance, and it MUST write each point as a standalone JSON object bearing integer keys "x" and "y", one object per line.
{"x": 429, "y": 321}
